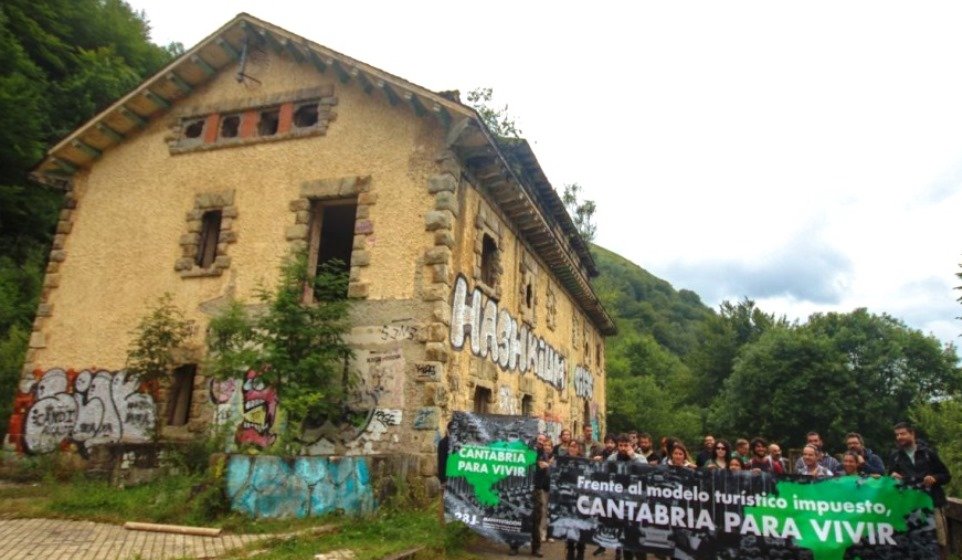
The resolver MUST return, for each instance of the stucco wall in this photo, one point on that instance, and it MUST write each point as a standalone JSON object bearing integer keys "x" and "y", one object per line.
{"x": 556, "y": 318}
{"x": 131, "y": 209}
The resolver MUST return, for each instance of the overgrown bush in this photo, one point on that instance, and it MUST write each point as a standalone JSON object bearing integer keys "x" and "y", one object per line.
{"x": 296, "y": 348}
{"x": 158, "y": 336}
{"x": 52, "y": 467}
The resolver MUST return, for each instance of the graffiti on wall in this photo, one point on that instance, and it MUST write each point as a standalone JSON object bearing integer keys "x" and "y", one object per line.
{"x": 260, "y": 412}
{"x": 375, "y": 431}
{"x": 595, "y": 423}
{"x": 584, "y": 383}
{"x": 270, "y": 486}
{"x": 383, "y": 374}
{"x": 507, "y": 403}
{"x": 227, "y": 400}
{"x": 373, "y": 406}
{"x": 501, "y": 338}
{"x": 398, "y": 330}
{"x": 86, "y": 409}
{"x": 551, "y": 425}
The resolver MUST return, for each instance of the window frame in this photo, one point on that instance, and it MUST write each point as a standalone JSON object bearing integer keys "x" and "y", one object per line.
{"x": 315, "y": 227}
{"x": 209, "y": 237}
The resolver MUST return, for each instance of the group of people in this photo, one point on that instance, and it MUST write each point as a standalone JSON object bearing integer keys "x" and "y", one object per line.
{"x": 912, "y": 459}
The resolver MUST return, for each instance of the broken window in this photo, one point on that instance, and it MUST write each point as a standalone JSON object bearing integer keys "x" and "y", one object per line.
{"x": 305, "y": 116}
{"x": 268, "y": 122}
{"x": 230, "y": 126}
{"x": 489, "y": 261}
{"x": 482, "y": 399}
{"x": 179, "y": 395}
{"x": 331, "y": 236}
{"x": 209, "y": 237}
{"x": 528, "y": 296}
{"x": 527, "y": 405}
{"x": 193, "y": 129}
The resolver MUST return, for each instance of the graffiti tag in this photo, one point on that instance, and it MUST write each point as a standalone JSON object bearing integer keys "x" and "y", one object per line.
{"x": 498, "y": 336}
{"x": 584, "y": 383}
{"x": 388, "y": 417}
{"x": 392, "y": 333}
{"x": 87, "y": 409}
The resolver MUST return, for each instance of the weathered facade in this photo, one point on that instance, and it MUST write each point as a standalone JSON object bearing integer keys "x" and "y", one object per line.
{"x": 469, "y": 282}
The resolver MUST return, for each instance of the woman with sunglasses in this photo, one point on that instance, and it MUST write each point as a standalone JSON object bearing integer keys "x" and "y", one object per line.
{"x": 721, "y": 456}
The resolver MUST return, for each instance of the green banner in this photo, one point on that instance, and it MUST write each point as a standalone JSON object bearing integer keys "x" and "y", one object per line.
{"x": 490, "y": 475}
{"x": 682, "y": 513}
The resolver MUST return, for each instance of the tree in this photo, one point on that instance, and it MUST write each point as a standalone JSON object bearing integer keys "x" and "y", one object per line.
{"x": 722, "y": 336}
{"x": 498, "y": 121}
{"x": 839, "y": 372}
{"x": 296, "y": 348}
{"x": 939, "y": 423}
{"x": 582, "y": 212}
{"x": 159, "y": 335}
{"x": 639, "y": 403}
{"x": 784, "y": 384}
{"x": 62, "y": 61}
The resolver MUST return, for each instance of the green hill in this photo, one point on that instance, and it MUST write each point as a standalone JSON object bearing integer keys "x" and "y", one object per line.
{"x": 651, "y": 385}
{"x": 644, "y": 303}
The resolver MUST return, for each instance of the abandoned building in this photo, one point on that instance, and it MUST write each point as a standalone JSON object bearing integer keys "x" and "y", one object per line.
{"x": 469, "y": 282}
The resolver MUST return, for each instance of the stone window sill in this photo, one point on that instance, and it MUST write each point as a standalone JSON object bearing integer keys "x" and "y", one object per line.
{"x": 201, "y": 272}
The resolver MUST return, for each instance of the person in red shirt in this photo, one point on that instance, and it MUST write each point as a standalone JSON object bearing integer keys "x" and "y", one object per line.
{"x": 761, "y": 461}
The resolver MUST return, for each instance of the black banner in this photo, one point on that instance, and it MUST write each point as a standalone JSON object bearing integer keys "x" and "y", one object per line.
{"x": 490, "y": 475}
{"x": 687, "y": 514}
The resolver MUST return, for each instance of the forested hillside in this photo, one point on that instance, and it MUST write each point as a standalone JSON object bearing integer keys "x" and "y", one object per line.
{"x": 62, "y": 60}
{"x": 680, "y": 368}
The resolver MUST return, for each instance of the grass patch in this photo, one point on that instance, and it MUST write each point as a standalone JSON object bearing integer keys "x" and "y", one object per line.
{"x": 186, "y": 500}
{"x": 177, "y": 500}
{"x": 376, "y": 536}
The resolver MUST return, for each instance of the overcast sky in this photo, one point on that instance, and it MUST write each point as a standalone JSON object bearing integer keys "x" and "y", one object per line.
{"x": 807, "y": 155}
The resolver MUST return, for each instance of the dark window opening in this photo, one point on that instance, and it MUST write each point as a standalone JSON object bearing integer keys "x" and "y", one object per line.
{"x": 267, "y": 125}
{"x": 179, "y": 395}
{"x": 209, "y": 237}
{"x": 230, "y": 126}
{"x": 331, "y": 235}
{"x": 306, "y": 115}
{"x": 527, "y": 405}
{"x": 598, "y": 355}
{"x": 482, "y": 399}
{"x": 528, "y": 296}
{"x": 489, "y": 261}
{"x": 194, "y": 129}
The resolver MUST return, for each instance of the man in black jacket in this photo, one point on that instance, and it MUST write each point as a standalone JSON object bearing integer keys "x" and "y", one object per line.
{"x": 917, "y": 462}
{"x": 540, "y": 492}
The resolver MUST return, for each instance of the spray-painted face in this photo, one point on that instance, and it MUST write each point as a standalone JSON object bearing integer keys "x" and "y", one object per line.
{"x": 260, "y": 409}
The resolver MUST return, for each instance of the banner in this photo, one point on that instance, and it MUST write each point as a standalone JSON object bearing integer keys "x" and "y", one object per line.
{"x": 490, "y": 475}
{"x": 681, "y": 513}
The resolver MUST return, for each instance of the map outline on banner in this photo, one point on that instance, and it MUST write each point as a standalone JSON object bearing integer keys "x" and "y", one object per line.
{"x": 489, "y": 471}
